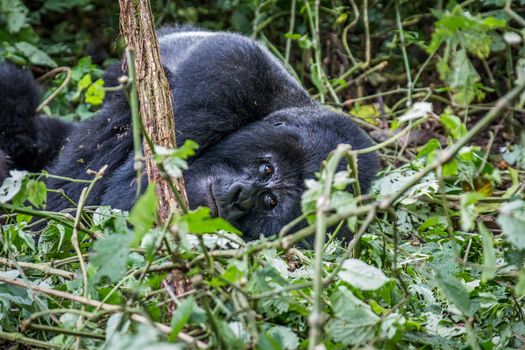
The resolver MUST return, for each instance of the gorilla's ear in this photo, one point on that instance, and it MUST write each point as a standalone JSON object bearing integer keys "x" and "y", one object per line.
{"x": 276, "y": 120}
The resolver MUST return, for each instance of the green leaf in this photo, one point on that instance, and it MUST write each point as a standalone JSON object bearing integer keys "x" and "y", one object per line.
{"x": 451, "y": 168}
{"x": 429, "y": 148}
{"x": 199, "y": 221}
{"x": 143, "y": 214}
{"x": 519, "y": 290}
{"x": 110, "y": 256}
{"x": 180, "y": 317}
{"x": 460, "y": 27}
{"x": 174, "y": 159}
{"x": 52, "y": 239}
{"x": 15, "y": 13}
{"x": 285, "y": 337}
{"x": 455, "y": 292}
{"x": 512, "y": 221}
{"x": 267, "y": 342}
{"x": 12, "y": 185}
{"x": 95, "y": 93}
{"x": 84, "y": 83}
{"x": 354, "y": 322}
{"x": 361, "y": 275}
{"x": 36, "y": 192}
{"x": 468, "y": 209}
{"x": 488, "y": 271}
{"x": 453, "y": 124}
{"x": 35, "y": 55}
{"x": 232, "y": 274}
{"x": 15, "y": 294}
{"x": 28, "y": 240}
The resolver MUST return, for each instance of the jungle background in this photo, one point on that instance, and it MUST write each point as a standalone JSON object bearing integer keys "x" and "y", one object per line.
{"x": 437, "y": 258}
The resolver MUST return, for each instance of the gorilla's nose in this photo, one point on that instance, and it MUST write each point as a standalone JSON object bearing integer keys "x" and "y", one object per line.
{"x": 238, "y": 200}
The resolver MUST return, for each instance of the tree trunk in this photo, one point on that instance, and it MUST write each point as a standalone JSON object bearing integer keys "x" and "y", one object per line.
{"x": 156, "y": 109}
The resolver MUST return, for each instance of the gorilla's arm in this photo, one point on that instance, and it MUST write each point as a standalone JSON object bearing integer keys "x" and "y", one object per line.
{"x": 31, "y": 142}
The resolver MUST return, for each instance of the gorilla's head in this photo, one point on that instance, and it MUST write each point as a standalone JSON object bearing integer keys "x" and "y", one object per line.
{"x": 255, "y": 177}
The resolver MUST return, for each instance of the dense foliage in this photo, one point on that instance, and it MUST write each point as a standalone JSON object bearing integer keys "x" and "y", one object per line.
{"x": 437, "y": 259}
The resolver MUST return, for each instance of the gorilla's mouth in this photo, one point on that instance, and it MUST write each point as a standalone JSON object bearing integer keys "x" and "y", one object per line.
{"x": 212, "y": 202}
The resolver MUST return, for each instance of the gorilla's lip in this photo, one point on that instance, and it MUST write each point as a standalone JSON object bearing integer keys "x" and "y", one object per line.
{"x": 212, "y": 202}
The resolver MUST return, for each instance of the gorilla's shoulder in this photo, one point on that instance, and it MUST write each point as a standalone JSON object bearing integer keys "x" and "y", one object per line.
{"x": 20, "y": 95}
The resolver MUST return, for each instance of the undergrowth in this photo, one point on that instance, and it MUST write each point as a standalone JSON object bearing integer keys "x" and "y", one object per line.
{"x": 437, "y": 255}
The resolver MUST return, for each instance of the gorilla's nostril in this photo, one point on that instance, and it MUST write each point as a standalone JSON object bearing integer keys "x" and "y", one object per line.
{"x": 239, "y": 196}
{"x": 235, "y": 193}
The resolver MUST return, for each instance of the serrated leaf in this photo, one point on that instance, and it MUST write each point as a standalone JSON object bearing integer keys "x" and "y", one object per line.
{"x": 354, "y": 321}
{"x": 512, "y": 221}
{"x": 174, "y": 159}
{"x": 361, "y": 275}
{"x": 285, "y": 336}
{"x": 110, "y": 255}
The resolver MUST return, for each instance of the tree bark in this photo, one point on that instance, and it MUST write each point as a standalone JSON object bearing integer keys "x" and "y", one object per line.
{"x": 155, "y": 99}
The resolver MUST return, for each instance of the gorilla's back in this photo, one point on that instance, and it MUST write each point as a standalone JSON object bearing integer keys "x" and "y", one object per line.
{"x": 180, "y": 44}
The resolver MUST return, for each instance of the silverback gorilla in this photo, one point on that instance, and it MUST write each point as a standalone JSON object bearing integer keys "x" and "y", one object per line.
{"x": 260, "y": 134}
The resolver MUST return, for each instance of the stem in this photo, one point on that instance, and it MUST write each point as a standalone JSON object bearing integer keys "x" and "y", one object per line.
{"x": 79, "y": 334}
{"x": 404, "y": 52}
{"x": 65, "y": 83}
{"x": 368, "y": 50}
{"x": 290, "y": 31}
{"x": 313, "y": 20}
{"x": 97, "y": 304}
{"x": 46, "y": 269}
{"x": 345, "y": 33}
{"x": 19, "y": 338}
{"x": 316, "y": 319}
{"x": 136, "y": 121}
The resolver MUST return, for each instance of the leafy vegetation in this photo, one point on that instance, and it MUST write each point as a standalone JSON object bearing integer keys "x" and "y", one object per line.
{"x": 437, "y": 256}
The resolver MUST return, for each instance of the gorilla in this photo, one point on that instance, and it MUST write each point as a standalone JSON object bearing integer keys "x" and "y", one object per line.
{"x": 259, "y": 133}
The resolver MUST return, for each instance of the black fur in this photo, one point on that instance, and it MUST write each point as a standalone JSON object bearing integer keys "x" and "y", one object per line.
{"x": 236, "y": 101}
{"x": 4, "y": 166}
{"x": 31, "y": 141}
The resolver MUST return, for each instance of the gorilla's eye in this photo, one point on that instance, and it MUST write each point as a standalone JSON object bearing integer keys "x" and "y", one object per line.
{"x": 269, "y": 200}
{"x": 266, "y": 169}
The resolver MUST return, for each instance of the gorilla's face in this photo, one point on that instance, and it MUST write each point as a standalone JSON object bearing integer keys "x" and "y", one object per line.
{"x": 255, "y": 177}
